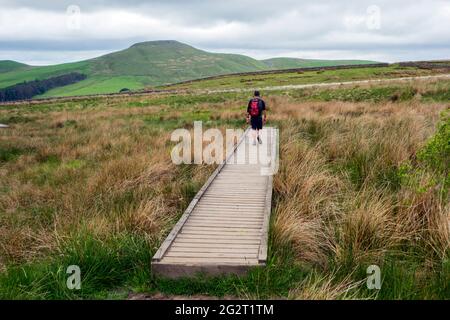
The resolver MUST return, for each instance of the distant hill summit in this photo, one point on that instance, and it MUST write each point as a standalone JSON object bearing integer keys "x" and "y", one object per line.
{"x": 149, "y": 63}
{"x": 171, "y": 61}
{"x": 9, "y": 65}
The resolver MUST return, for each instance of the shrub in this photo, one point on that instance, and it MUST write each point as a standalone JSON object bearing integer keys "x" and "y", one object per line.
{"x": 436, "y": 153}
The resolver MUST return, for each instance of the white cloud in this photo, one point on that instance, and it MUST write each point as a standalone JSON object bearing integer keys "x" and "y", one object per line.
{"x": 37, "y": 31}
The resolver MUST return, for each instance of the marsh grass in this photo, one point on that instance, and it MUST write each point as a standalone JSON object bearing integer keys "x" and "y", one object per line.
{"x": 91, "y": 183}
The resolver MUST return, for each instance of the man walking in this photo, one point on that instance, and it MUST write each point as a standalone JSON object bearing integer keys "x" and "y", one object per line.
{"x": 256, "y": 109}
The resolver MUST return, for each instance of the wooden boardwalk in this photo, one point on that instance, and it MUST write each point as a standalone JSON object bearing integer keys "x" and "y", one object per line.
{"x": 225, "y": 227}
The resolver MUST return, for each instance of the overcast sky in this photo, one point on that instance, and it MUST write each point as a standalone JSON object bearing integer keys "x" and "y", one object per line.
{"x": 48, "y": 32}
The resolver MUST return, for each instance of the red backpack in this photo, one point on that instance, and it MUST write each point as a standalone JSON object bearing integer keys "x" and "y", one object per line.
{"x": 254, "y": 108}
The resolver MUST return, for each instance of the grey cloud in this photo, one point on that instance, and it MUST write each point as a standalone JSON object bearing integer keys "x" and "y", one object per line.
{"x": 407, "y": 28}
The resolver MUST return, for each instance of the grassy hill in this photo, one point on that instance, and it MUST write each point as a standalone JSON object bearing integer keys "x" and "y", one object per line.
{"x": 150, "y": 63}
{"x": 9, "y": 65}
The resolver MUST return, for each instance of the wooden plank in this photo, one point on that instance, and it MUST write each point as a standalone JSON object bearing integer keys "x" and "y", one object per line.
{"x": 233, "y": 202}
{"x": 227, "y": 215}
{"x": 213, "y": 225}
{"x": 244, "y": 196}
{"x": 262, "y": 256}
{"x": 206, "y": 233}
{"x": 241, "y": 250}
{"x": 215, "y": 205}
{"x": 231, "y": 187}
{"x": 229, "y": 255}
{"x": 172, "y": 235}
{"x": 237, "y": 191}
{"x": 249, "y": 209}
{"x": 230, "y": 205}
{"x": 223, "y": 240}
{"x": 223, "y": 236}
{"x": 221, "y": 222}
{"x": 217, "y": 228}
{"x": 238, "y": 180}
{"x": 189, "y": 269}
{"x": 232, "y": 210}
{"x": 232, "y": 190}
{"x": 224, "y": 215}
{"x": 219, "y": 219}
{"x": 242, "y": 179}
{"x": 206, "y": 260}
{"x": 178, "y": 244}
{"x": 236, "y": 194}
{"x": 248, "y": 212}
{"x": 221, "y": 189}
{"x": 229, "y": 218}
{"x": 209, "y": 231}
{"x": 228, "y": 199}
{"x": 240, "y": 175}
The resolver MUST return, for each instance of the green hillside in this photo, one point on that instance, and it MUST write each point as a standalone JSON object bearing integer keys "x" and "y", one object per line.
{"x": 292, "y": 63}
{"x": 152, "y": 63}
{"x": 9, "y": 65}
{"x": 32, "y": 73}
{"x": 170, "y": 61}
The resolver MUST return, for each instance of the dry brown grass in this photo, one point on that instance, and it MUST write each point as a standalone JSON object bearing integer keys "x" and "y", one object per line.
{"x": 324, "y": 288}
{"x": 105, "y": 172}
{"x": 339, "y": 198}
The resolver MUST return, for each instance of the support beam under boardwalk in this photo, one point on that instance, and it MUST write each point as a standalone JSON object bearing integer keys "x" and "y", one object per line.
{"x": 225, "y": 227}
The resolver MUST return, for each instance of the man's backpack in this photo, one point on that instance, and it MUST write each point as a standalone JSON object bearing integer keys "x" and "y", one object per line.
{"x": 254, "y": 108}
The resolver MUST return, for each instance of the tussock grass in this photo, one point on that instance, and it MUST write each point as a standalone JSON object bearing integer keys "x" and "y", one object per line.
{"x": 342, "y": 201}
{"x": 91, "y": 183}
{"x": 316, "y": 287}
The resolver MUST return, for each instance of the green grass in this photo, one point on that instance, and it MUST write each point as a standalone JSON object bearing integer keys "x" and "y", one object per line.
{"x": 10, "y": 153}
{"x": 96, "y": 85}
{"x": 106, "y": 265}
{"x": 292, "y": 63}
{"x": 391, "y": 93}
{"x": 39, "y": 73}
{"x": 8, "y": 65}
{"x": 305, "y": 77}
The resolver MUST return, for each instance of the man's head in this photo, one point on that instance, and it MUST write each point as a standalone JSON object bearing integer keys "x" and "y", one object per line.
{"x": 256, "y": 94}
